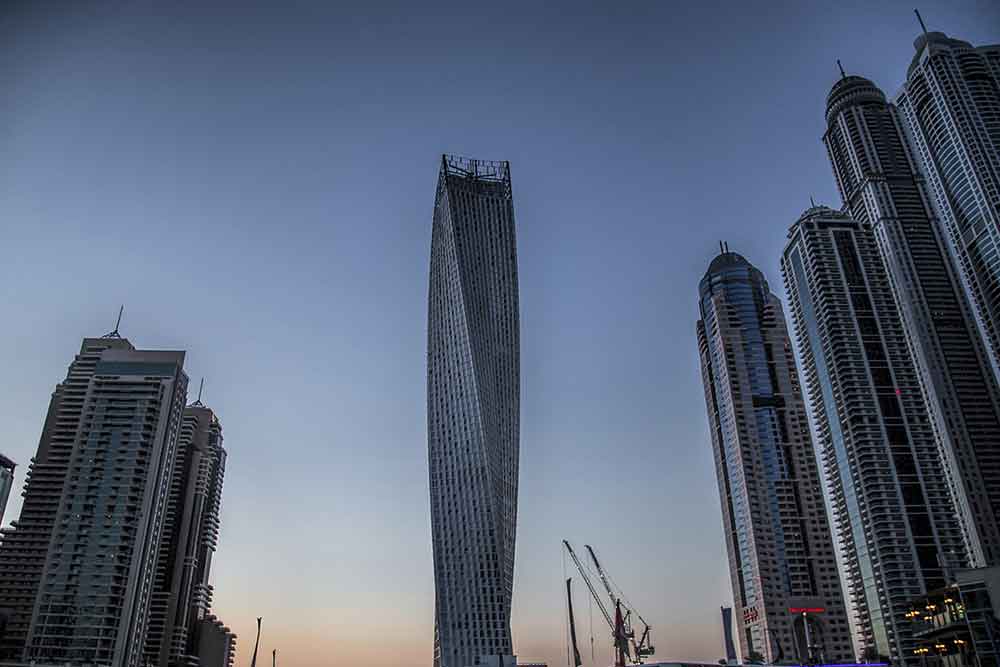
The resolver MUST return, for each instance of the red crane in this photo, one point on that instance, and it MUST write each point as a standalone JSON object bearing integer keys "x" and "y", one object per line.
{"x": 623, "y": 637}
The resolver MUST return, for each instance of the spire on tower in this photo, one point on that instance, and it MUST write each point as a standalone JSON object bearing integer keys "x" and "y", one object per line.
{"x": 201, "y": 387}
{"x": 921, "y": 20}
{"x": 843, "y": 75}
{"x": 114, "y": 333}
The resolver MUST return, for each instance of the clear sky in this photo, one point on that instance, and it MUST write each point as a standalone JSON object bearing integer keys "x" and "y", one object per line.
{"x": 256, "y": 184}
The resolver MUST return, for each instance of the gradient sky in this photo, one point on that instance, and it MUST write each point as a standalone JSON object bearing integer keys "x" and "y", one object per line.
{"x": 256, "y": 185}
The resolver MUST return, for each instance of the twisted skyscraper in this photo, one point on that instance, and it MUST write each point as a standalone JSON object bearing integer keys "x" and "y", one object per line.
{"x": 473, "y": 410}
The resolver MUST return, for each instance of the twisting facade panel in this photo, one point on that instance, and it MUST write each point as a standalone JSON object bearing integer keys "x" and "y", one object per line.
{"x": 882, "y": 187}
{"x": 473, "y": 409}
{"x": 890, "y": 496}
{"x": 951, "y": 107}
{"x": 781, "y": 553}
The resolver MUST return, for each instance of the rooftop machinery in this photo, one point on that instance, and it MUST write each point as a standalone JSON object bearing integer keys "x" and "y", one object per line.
{"x": 627, "y": 650}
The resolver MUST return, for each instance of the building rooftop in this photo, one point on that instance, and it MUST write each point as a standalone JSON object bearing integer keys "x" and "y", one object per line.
{"x": 851, "y": 90}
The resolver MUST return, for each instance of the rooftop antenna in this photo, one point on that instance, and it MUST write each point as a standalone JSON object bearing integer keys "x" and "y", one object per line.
{"x": 921, "y": 19}
{"x": 722, "y": 248}
{"x": 811, "y": 201}
{"x": 115, "y": 334}
{"x": 843, "y": 75}
{"x": 201, "y": 387}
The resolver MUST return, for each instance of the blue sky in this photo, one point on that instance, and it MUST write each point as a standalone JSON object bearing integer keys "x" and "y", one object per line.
{"x": 256, "y": 184}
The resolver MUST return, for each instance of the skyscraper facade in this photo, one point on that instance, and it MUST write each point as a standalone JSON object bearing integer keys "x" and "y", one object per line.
{"x": 473, "y": 409}
{"x": 78, "y": 565}
{"x": 6, "y": 482}
{"x": 890, "y": 495}
{"x": 950, "y": 105}
{"x": 881, "y": 187}
{"x": 24, "y": 546}
{"x": 93, "y": 602}
{"x": 182, "y": 595}
{"x": 778, "y": 538}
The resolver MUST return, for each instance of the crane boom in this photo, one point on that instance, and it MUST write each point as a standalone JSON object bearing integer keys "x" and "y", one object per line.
{"x": 600, "y": 573}
{"x": 590, "y": 585}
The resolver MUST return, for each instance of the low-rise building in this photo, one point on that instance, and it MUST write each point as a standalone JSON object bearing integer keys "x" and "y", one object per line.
{"x": 959, "y": 624}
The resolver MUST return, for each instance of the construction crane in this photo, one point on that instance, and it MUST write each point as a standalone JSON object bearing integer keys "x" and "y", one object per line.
{"x": 642, "y": 648}
{"x": 622, "y": 635}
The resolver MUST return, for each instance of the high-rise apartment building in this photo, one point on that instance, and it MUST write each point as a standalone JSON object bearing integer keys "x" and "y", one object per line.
{"x": 950, "y": 106}
{"x": 882, "y": 188}
{"x": 6, "y": 482}
{"x": 77, "y": 568}
{"x": 473, "y": 410}
{"x": 890, "y": 494}
{"x": 781, "y": 552}
{"x": 24, "y": 546}
{"x": 182, "y": 595}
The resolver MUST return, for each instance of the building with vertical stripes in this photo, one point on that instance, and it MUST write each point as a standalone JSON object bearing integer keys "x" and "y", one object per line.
{"x": 473, "y": 410}
{"x": 781, "y": 553}
{"x": 882, "y": 189}
{"x": 77, "y": 568}
{"x": 950, "y": 108}
{"x": 182, "y": 594}
{"x": 891, "y": 497}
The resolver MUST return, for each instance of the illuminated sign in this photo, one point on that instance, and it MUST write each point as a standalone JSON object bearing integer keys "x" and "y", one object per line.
{"x": 806, "y": 610}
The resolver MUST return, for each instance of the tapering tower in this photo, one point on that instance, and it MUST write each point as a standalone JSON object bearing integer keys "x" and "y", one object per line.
{"x": 182, "y": 594}
{"x": 891, "y": 500}
{"x": 782, "y": 563}
{"x": 473, "y": 409}
{"x": 950, "y": 105}
{"x": 882, "y": 188}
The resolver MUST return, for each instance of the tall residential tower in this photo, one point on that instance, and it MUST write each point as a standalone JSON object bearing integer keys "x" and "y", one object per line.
{"x": 781, "y": 554}
{"x": 890, "y": 495}
{"x": 883, "y": 190}
{"x": 473, "y": 410}
{"x": 182, "y": 595}
{"x": 76, "y": 569}
{"x": 950, "y": 105}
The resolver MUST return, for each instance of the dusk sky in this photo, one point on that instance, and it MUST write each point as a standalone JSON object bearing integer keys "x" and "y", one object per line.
{"x": 256, "y": 182}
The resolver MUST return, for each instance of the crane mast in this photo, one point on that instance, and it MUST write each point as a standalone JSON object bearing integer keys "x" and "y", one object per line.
{"x": 642, "y": 647}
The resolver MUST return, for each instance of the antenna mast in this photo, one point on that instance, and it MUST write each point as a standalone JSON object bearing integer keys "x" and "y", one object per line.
{"x": 118, "y": 323}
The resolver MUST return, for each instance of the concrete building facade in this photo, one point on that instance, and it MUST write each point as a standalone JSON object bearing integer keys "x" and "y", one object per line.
{"x": 473, "y": 410}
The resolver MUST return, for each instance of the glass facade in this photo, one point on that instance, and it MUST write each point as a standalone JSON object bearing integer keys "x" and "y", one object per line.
{"x": 473, "y": 409}
{"x": 778, "y": 539}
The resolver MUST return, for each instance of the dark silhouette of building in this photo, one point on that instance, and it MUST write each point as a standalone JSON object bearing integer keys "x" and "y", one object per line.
{"x": 182, "y": 594}
{"x": 473, "y": 410}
